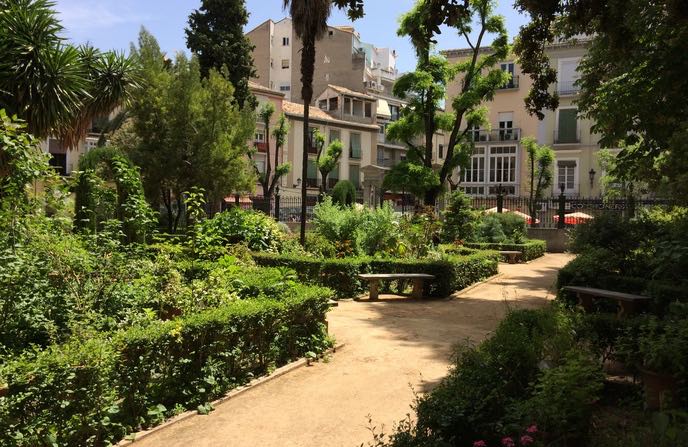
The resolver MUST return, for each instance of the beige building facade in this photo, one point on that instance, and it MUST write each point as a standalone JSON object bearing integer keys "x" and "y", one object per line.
{"x": 499, "y": 158}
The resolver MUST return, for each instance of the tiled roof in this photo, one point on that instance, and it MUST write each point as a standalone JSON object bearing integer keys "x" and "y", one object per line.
{"x": 263, "y": 89}
{"x": 346, "y": 91}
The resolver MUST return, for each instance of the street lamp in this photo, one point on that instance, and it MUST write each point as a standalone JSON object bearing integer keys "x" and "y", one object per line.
{"x": 298, "y": 183}
{"x": 591, "y": 174}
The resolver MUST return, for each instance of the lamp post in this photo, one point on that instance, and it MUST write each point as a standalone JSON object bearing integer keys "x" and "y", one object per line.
{"x": 562, "y": 206}
{"x": 591, "y": 174}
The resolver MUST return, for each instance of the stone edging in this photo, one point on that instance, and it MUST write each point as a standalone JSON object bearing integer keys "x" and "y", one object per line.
{"x": 231, "y": 394}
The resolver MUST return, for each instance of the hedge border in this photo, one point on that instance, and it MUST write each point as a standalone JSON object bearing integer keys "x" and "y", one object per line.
{"x": 96, "y": 391}
{"x": 452, "y": 272}
{"x": 531, "y": 249}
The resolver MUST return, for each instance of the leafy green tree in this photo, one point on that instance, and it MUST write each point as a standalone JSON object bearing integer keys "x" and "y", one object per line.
{"x": 632, "y": 78}
{"x": 187, "y": 131}
{"x": 216, "y": 36}
{"x": 425, "y": 88}
{"x": 343, "y": 193}
{"x": 328, "y": 162}
{"x": 460, "y": 220}
{"x": 414, "y": 178}
{"x": 55, "y": 87}
{"x": 309, "y": 18}
{"x": 540, "y": 160}
{"x": 269, "y": 180}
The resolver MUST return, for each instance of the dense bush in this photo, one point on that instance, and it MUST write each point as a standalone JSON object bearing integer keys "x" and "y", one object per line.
{"x": 253, "y": 228}
{"x": 501, "y": 386}
{"x": 451, "y": 272}
{"x": 92, "y": 392}
{"x": 530, "y": 249}
{"x": 460, "y": 219}
{"x": 343, "y": 193}
{"x": 500, "y": 228}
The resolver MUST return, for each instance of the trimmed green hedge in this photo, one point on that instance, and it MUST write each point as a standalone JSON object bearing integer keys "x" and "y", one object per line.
{"x": 531, "y": 249}
{"x": 93, "y": 393}
{"x": 341, "y": 275}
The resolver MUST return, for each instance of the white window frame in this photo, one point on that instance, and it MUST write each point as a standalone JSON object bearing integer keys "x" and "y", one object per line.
{"x": 489, "y": 157}
{"x": 576, "y": 175}
{"x": 485, "y": 172}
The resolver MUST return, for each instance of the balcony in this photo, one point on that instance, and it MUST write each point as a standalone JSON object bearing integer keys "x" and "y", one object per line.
{"x": 386, "y": 162}
{"x": 312, "y": 183}
{"x": 507, "y": 134}
{"x": 568, "y": 88}
{"x": 261, "y": 146}
{"x": 511, "y": 85}
{"x": 568, "y": 137}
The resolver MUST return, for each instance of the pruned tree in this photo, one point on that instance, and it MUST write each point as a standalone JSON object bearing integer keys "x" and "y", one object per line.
{"x": 540, "y": 160}
{"x": 269, "y": 179}
{"x": 328, "y": 161}
{"x": 425, "y": 88}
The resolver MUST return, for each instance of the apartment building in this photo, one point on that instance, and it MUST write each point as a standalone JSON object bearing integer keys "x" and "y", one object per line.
{"x": 341, "y": 59}
{"x": 499, "y": 158}
{"x": 65, "y": 160}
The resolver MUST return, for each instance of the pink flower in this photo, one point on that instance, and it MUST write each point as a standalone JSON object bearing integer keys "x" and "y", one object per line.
{"x": 526, "y": 440}
{"x": 508, "y": 442}
{"x": 480, "y": 444}
{"x": 532, "y": 429}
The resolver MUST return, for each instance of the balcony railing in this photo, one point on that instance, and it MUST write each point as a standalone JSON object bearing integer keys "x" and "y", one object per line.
{"x": 568, "y": 88}
{"x": 512, "y": 84}
{"x": 567, "y": 137}
{"x": 509, "y": 134}
{"x": 261, "y": 146}
{"x": 386, "y": 162}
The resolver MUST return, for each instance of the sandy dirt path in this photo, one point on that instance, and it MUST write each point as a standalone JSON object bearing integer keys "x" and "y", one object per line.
{"x": 392, "y": 347}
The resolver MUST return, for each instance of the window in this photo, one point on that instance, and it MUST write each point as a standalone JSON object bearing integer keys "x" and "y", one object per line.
{"x": 355, "y": 145}
{"x": 285, "y": 41}
{"x": 567, "y": 127}
{"x": 260, "y": 166}
{"x": 260, "y": 136}
{"x": 59, "y": 163}
{"x": 335, "y": 135}
{"x": 355, "y": 176}
{"x": 271, "y": 63}
{"x": 474, "y": 133}
{"x": 503, "y": 164}
{"x": 333, "y": 177}
{"x": 357, "y": 109}
{"x": 347, "y": 106}
{"x": 508, "y": 67}
{"x": 334, "y": 103}
{"x": 285, "y": 63}
{"x": 440, "y": 151}
{"x": 285, "y": 88}
{"x": 475, "y": 172}
{"x": 322, "y": 104}
{"x": 506, "y": 126}
{"x": 474, "y": 190}
{"x": 508, "y": 190}
{"x": 330, "y": 33}
{"x": 567, "y": 76}
{"x": 566, "y": 174}
{"x": 394, "y": 112}
{"x": 368, "y": 110}
{"x": 312, "y": 175}
{"x": 313, "y": 148}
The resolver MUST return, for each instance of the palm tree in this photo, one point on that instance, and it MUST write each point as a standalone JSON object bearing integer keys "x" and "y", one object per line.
{"x": 55, "y": 87}
{"x": 309, "y": 18}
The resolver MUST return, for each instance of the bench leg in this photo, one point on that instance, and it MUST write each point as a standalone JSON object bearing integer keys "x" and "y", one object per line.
{"x": 585, "y": 301}
{"x": 417, "y": 291}
{"x": 374, "y": 287}
{"x": 512, "y": 259}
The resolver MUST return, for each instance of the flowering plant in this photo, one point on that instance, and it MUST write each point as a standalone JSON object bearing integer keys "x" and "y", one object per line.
{"x": 527, "y": 438}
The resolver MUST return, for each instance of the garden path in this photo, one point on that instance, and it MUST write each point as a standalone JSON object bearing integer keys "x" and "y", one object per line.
{"x": 392, "y": 347}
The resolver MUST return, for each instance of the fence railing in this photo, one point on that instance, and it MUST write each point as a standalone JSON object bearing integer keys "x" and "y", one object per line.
{"x": 547, "y": 210}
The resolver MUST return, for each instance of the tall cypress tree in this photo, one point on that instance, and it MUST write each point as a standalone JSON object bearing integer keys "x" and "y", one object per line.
{"x": 216, "y": 36}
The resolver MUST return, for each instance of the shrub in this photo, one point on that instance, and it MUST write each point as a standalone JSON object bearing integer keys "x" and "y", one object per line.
{"x": 460, "y": 219}
{"x": 92, "y": 392}
{"x": 451, "y": 272}
{"x": 319, "y": 246}
{"x": 530, "y": 249}
{"x": 608, "y": 230}
{"x": 338, "y": 225}
{"x": 379, "y": 230}
{"x": 490, "y": 229}
{"x": 343, "y": 193}
{"x": 234, "y": 226}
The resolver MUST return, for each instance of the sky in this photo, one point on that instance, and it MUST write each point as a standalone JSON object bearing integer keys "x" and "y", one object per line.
{"x": 114, "y": 24}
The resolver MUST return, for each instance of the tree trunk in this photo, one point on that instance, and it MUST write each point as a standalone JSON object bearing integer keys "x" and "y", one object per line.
{"x": 180, "y": 204}
{"x": 167, "y": 200}
{"x": 307, "y": 68}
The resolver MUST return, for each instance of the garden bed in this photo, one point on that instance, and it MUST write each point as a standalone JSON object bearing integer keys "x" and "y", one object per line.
{"x": 531, "y": 249}
{"x": 452, "y": 272}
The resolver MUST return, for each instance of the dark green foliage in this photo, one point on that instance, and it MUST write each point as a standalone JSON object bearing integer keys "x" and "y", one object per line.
{"x": 343, "y": 193}
{"x": 608, "y": 230}
{"x": 236, "y": 226}
{"x": 320, "y": 246}
{"x": 341, "y": 275}
{"x": 94, "y": 392}
{"x": 216, "y": 36}
{"x": 530, "y": 249}
{"x": 500, "y": 228}
{"x": 459, "y": 219}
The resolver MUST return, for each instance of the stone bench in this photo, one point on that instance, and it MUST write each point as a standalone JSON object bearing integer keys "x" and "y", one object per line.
{"x": 628, "y": 303}
{"x": 512, "y": 256}
{"x": 375, "y": 278}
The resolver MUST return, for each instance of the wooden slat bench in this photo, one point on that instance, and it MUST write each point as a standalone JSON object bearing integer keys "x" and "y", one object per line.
{"x": 417, "y": 278}
{"x": 512, "y": 256}
{"x": 628, "y": 303}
